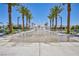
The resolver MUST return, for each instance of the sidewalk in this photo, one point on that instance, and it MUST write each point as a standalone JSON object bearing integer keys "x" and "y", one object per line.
{"x": 39, "y": 43}
{"x": 40, "y": 49}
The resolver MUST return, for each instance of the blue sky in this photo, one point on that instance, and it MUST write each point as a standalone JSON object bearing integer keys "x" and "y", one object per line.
{"x": 40, "y": 11}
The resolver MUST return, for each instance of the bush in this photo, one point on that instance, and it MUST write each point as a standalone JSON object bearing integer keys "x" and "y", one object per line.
{"x": 6, "y": 32}
{"x": 1, "y": 30}
{"x": 72, "y": 28}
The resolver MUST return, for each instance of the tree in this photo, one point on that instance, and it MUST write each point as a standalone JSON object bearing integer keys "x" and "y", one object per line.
{"x": 73, "y": 27}
{"x": 30, "y": 17}
{"x": 57, "y": 10}
{"x": 60, "y": 22}
{"x": 9, "y": 15}
{"x": 18, "y": 22}
{"x": 22, "y": 11}
{"x": 50, "y": 17}
{"x": 68, "y": 17}
{"x": 27, "y": 17}
{"x": 53, "y": 16}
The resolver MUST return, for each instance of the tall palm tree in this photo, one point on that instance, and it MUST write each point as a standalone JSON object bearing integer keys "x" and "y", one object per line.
{"x": 57, "y": 10}
{"x": 53, "y": 16}
{"x": 27, "y": 17}
{"x": 9, "y": 15}
{"x": 60, "y": 22}
{"x": 68, "y": 17}
{"x": 50, "y": 17}
{"x": 18, "y": 22}
{"x": 30, "y": 17}
{"x": 22, "y": 11}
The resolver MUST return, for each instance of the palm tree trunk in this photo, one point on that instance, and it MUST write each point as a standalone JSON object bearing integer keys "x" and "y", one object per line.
{"x": 50, "y": 23}
{"x": 22, "y": 22}
{"x": 29, "y": 23}
{"x": 26, "y": 23}
{"x": 9, "y": 14}
{"x": 18, "y": 22}
{"x": 56, "y": 23}
{"x": 61, "y": 23}
{"x": 68, "y": 18}
{"x": 53, "y": 23}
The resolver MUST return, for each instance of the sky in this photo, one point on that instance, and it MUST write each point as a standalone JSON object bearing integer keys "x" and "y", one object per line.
{"x": 40, "y": 11}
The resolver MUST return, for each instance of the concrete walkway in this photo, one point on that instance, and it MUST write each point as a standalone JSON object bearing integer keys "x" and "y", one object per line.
{"x": 40, "y": 49}
{"x": 38, "y": 43}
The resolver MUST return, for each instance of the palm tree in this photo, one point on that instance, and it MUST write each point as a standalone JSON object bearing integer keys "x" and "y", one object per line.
{"x": 9, "y": 15}
{"x": 60, "y": 22}
{"x": 22, "y": 11}
{"x": 30, "y": 17}
{"x": 68, "y": 17}
{"x": 50, "y": 17}
{"x": 18, "y": 22}
{"x": 57, "y": 10}
{"x": 53, "y": 16}
{"x": 27, "y": 17}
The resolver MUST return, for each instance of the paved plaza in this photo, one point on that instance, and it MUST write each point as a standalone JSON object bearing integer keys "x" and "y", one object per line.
{"x": 39, "y": 42}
